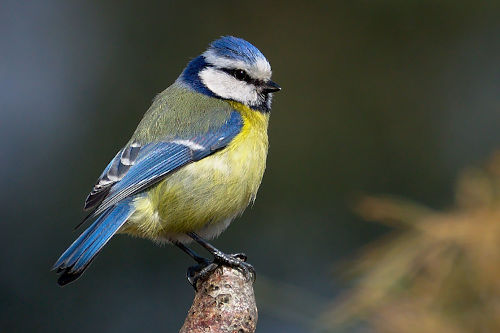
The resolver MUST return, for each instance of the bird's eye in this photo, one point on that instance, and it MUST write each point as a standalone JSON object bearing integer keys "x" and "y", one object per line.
{"x": 240, "y": 74}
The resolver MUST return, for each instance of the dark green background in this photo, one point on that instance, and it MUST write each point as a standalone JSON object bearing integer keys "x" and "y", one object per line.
{"x": 378, "y": 97}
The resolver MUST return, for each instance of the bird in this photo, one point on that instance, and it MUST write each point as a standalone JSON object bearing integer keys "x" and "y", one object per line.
{"x": 194, "y": 163}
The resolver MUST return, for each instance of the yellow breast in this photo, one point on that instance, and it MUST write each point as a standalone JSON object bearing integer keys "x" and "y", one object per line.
{"x": 206, "y": 195}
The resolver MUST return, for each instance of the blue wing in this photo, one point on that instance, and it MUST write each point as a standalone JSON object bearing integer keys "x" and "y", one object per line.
{"x": 135, "y": 168}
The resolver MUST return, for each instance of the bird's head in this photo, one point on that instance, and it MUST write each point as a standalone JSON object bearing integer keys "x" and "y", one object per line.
{"x": 233, "y": 69}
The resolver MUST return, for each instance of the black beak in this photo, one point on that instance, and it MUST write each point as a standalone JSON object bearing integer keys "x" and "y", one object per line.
{"x": 270, "y": 87}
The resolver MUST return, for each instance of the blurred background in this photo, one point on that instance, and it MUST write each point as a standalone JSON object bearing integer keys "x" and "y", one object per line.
{"x": 379, "y": 97}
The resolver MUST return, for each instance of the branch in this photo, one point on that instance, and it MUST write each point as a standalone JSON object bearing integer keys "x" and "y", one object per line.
{"x": 224, "y": 302}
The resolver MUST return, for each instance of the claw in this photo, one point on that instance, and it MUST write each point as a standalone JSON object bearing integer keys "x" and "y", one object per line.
{"x": 238, "y": 261}
{"x": 206, "y": 267}
{"x": 241, "y": 256}
{"x": 200, "y": 272}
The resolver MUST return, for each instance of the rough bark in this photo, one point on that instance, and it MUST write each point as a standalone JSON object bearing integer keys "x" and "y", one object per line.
{"x": 224, "y": 302}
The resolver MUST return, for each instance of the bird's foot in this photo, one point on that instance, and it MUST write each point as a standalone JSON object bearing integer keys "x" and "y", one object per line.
{"x": 205, "y": 268}
{"x": 238, "y": 261}
{"x": 200, "y": 272}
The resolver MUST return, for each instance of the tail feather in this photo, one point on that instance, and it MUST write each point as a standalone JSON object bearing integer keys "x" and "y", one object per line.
{"x": 80, "y": 254}
{"x": 72, "y": 253}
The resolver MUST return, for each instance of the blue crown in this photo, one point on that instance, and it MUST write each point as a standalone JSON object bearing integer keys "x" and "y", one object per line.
{"x": 228, "y": 47}
{"x": 236, "y": 48}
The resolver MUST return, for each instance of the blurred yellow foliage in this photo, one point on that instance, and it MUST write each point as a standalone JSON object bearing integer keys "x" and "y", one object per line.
{"x": 440, "y": 272}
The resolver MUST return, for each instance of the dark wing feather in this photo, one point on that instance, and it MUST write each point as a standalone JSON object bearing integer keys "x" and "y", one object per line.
{"x": 113, "y": 173}
{"x": 134, "y": 170}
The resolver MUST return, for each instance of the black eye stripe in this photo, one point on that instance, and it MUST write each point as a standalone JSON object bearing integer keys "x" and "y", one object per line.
{"x": 241, "y": 75}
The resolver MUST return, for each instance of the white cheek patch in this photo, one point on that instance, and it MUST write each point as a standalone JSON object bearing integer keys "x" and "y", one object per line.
{"x": 228, "y": 87}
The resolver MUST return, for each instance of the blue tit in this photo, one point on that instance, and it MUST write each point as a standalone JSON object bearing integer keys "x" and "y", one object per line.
{"x": 193, "y": 164}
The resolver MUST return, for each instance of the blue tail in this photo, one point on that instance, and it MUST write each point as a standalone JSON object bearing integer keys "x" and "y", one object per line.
{"x": 80, "y": 254}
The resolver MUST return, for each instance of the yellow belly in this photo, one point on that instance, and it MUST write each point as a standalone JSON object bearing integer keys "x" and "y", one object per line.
{"x": 206, "y": 195}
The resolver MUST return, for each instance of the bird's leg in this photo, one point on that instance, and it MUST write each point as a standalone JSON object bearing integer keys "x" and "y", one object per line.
{"x": 204, "y": 266}
{"x": 199, "y": 259}
{"x": 237, "y": 260}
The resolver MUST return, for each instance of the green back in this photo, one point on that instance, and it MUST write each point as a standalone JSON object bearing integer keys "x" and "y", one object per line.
{"x": 178, "y": 112}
